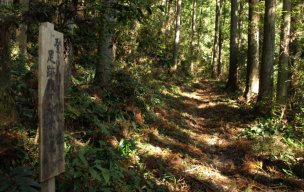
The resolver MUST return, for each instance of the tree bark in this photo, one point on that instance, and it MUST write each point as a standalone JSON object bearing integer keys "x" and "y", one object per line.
{"x": 284, "y": 67}
{"x": 221, "y": 39}
{"x": 177, "y": 36}
{"x": 252, "y": 76}
{"x": 5, "y": 58}
{"x": 295, "y": 59}
{"x": 266, "y": 72}
{"x": 106, "y": 49}
{"x": 168, "y": 18}
{"x": 215, "y": 50}
{"x": 22, "y": 30}
{"x": 193, "y": 28}
{"x": 4, "y": 54}
{"x": 239, "y": 31}
{"x": 232, "y": 77}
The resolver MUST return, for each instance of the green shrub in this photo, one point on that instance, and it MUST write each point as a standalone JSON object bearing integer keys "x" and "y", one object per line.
{"x": 19, "y": 179}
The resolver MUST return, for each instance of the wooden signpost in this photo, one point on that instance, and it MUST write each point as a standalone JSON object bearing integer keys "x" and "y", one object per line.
{"x": 51, "y": 105}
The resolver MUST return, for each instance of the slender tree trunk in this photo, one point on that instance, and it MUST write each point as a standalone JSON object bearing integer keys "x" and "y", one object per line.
{"x": 199, "y": 28}
{"x": 266, "y": 71}
{"x": 221, "y": 39}
{"x": 252, "y": 76}
{"x": 177, "y": 35}
{"x": 239, "y": 31}
{"x": 215, "y": 50}
{"x": 232, "y": 77}
{"x": 5, "y": 58}
{"x": 168, "y": 17}
{"x": 4, "y": 55}
{"x": 284, "y": 67}
{"x": 106, "y": 49}
{"x": 193, "y": 28}
{"x": 21, "y": 31}
{"x": 165, "y": 23}
{"x": 295, "y": 58}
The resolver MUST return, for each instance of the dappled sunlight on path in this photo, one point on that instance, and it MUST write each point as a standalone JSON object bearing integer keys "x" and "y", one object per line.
{"x": 196, "y": 139}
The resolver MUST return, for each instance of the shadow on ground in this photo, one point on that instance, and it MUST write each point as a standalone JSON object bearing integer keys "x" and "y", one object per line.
{"x": 199, "y": 128}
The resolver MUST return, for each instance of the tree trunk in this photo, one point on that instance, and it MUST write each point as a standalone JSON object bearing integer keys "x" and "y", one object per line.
{"x": 284, "y": 68}
{"x": 295, "y": 59}
{"x": 266, "y": 71}
{"x": 106, "y": 49}
{"x": 193, "y": 26}
{"x": 168, "y": 18}
{"x": 221, "y": 39}
{"x": 177, "y": 35}
{"x": 165, "y": 23}
{"x": 252, "y": 76}
{"x": 215, "y": 50}
{"x": 4, "y": 55}
{"x": 22, "y": 30}
{"x": 199, "y": 28}
{"x": 5, "y": 58}
{"x": 232, "y": 77}
{"x": 239, "y": 31}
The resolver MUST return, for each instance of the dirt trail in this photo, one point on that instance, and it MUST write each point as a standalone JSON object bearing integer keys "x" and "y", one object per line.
{"x": 194, "y": 145}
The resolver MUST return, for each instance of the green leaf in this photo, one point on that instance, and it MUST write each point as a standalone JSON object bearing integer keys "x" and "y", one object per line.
{"x": 83, "y": 160}
{"x": 288, "y": 172}
{"x": 77, "y": 174}
{"x": 106, "y": 175}
{"x": 94, "y": 174}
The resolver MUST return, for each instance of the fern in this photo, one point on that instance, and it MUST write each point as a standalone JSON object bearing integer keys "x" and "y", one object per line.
{"x": 19, "y": 180}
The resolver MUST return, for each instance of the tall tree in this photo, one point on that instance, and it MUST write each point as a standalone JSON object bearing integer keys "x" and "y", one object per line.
{"x": 266, "y": 72}
{"x": 296, "y": 51}
{"x": 240, "y": 30}
{"x": 5, "y": 25}
{"x": 216, "y": 41}
{"x": 221, "y": 38}
{"x": 284, "y": 67}
{"x": 166, "y": 23}
{"x": 22, "y": 30}
{"x": 192, "y": 35}
{"x": 252, "y": 76}
{"x": 232, "y": 77}
{"x": 177, "y": 36}
{"x": 106, "y": 49}
{"x": 199, "y": 27}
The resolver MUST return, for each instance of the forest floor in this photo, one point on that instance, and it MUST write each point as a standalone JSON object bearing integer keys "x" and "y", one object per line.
{"x": 187, "y": 138}
{"x": 195, "y": 144}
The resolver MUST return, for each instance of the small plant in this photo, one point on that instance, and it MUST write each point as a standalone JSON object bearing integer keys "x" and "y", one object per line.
{"x": 127, "y": 147}
{"x": 88, "y": 169}
{"x": 276, "y": 141}
{"x": 96, "y": 169}
{"x": 19, "y": 180}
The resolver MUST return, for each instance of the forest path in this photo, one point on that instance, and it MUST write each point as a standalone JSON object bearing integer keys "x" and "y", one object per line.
{"x": 194, "y": 144}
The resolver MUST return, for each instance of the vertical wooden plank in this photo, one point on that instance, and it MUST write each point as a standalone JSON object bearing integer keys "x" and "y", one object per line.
{"x": 51, "y": 101}
{"x": 48, "y": 185}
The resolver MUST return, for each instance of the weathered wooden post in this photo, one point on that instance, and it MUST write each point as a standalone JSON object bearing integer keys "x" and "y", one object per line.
{"x": 51, "y": 105}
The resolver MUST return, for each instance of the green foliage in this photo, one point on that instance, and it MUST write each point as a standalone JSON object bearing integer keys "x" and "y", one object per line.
{"x": 101, "y": 168}
{"x": 91, "y": 168}
{"x": 20, "y": 179}
{"x": 127, "y": 147}
{"x": 130, "y": 10}
{"x": 277, "y": 141}
{"x": 124, "y": 87}
{"x": 84, "y": 110}
{"x": 8, "y": 10}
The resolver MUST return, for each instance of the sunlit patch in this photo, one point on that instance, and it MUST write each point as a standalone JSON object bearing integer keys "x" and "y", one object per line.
{"x": 150, "y": 149}
{"x": 193, "y": 95}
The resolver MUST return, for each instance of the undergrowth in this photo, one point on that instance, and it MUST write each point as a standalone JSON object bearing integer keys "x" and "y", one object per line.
{"x": 277, "y": 141}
